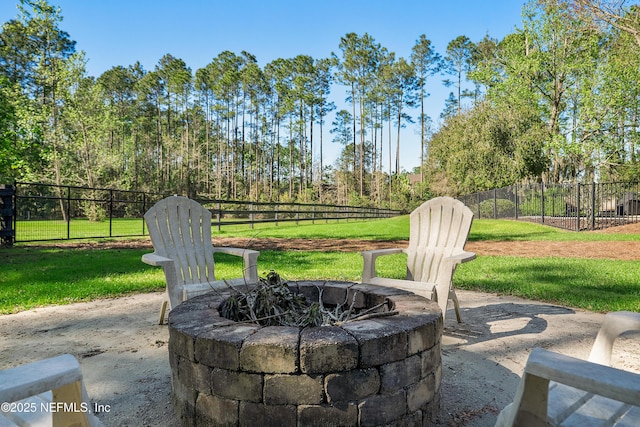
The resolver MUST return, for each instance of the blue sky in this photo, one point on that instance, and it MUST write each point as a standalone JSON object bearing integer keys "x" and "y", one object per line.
{"x": 119, "y": 32}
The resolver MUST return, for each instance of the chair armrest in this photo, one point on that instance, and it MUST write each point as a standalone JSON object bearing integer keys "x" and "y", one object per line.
{"x": 379, "y": 252}
{"x": 369, "y": 268}
{"x": 461, "y": 257}
{"x": 615, "y": 324}
{"x": 156, "y": 260}
{"x": 249, "y": 259}
{"x": 598, "y": 379}
{"x": 531, "y": 401}
{"x": 234, "y": 251}
{"x": 38, "y": 377}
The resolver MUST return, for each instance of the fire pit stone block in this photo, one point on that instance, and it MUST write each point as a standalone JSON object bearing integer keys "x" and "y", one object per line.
{"x": 378, "y": 371}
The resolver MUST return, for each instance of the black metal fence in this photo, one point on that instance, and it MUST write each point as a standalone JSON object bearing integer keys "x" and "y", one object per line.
{"x": 43, "y": 212}
{"x": 252, "y": 213}
{"x": 570, "y": 206}
{"x": 51, "y": 212}
{"x": 7, "y": 233}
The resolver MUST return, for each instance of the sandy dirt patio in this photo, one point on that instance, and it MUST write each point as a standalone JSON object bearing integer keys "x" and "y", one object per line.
{"x": 123, "y": 352}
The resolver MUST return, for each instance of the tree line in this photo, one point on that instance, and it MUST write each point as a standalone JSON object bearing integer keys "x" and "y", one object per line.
{"x": 556, "y": 100}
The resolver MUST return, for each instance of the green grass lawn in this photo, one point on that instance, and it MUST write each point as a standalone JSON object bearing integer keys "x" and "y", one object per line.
{"x": 397, "y": 228}
{"x": 32, "y": 276}
{"x": 37, "y": 276}
{"x": 592, "y": 284}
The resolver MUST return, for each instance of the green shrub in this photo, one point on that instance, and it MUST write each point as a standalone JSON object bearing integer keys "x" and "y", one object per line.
{"x": 504, "y": 208}
{"x": 93, "y": 211}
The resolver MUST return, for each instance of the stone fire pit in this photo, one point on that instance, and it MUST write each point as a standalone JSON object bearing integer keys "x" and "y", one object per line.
{"x": 380, "y": 371}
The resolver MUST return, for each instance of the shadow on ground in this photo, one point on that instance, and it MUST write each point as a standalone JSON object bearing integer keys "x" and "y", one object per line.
{"x": 484, "y": 356}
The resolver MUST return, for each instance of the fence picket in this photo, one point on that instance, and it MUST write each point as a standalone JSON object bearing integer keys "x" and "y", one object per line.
{"x": 567, "y": 206}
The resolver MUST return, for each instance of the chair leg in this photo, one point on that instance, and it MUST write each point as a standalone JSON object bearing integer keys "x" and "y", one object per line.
{"x": 71, "y": 395}
{"x": 162, "y": 311}
{"x": 456, "y": 305}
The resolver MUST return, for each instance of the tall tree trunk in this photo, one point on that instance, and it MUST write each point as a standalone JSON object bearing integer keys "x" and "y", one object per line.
{"x": 353, "y": 106}
{"x": 422, "y": 135}
{"x": 362, "y": 140}
{"x": 398, "y": 142}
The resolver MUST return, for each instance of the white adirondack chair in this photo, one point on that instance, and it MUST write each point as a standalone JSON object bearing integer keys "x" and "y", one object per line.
{"x": 180, "y": 230}
{"x": 48, "y": 392}
{"x": 559, "y": 390}
{"x": 438, "y": 232}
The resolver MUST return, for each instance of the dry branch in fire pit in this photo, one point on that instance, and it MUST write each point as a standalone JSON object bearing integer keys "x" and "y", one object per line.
{"x": 272, "y": 303}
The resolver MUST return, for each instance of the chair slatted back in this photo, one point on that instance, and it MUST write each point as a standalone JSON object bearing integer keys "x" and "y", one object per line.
{"x": 180, "y": 229}
{"x": 438, "y": 229}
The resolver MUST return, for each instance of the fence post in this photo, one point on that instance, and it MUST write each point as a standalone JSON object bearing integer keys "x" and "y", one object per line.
{"x": 218, "y": 215}
{"x": 251, "y": 215}
{"x": 144, "y": 210}
{"x": 276, "y": 206}
{"x": 578, "y": 206}
{"x": 593, "y": 205}
{"x": 7, "y": 215}
{"x": 68, "y": 212}
{"x": 111, "y": 213}
{"x": 542, "y": 199}
{"x": 516, "y": 200}
{"x": 495, "y": 203}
